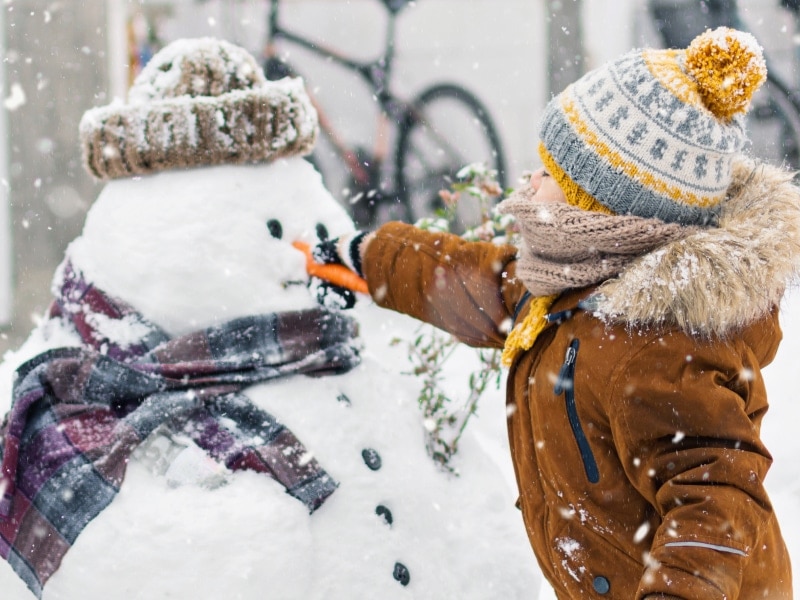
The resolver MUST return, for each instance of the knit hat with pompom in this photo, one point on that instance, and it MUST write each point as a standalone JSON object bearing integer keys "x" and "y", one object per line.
{"x": 198, "y": 102}
{"x": 654, "y": 132}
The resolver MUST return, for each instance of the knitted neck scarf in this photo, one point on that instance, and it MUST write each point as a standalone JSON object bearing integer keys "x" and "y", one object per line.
{"x": 565, "y": 247}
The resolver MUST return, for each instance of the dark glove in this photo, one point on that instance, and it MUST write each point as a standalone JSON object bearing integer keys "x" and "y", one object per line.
{"x": 338, "y": 251}
{"x": 344, "y": 250}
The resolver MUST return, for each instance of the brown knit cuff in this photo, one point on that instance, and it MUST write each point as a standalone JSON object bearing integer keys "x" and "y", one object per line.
{"x": 273, "y": 120}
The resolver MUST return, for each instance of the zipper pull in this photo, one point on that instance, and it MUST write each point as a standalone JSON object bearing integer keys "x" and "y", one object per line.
{"x": 559, "y": 317}
{"x": 565, "y": 375}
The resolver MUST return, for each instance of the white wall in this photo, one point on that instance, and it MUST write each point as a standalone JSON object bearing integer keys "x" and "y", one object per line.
{"x": 5, "y": 210}
{"x": 496, "y": 48}
{"x": 608, "y": 29}
{"x": 493, "y": 47}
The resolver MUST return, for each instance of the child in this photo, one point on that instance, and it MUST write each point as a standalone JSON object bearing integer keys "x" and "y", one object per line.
{"x": 635, "y": 321}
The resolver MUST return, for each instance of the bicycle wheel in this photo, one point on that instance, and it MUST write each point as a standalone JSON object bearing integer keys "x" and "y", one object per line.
{"x": 444, "y": 129}
{"x": 773, "y": 125}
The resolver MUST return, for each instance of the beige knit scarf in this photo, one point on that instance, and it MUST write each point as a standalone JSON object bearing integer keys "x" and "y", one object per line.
{"x": 564, "y": 247}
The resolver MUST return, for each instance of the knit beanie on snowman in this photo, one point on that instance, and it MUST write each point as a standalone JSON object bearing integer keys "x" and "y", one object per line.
{"x": 653, "y": 133}
{"x": 198, "y": 102}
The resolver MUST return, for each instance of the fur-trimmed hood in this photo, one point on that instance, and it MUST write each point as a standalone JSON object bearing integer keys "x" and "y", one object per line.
{"x": 719, "y": 279}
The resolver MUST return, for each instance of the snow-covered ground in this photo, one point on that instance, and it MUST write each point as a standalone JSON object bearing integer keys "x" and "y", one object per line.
{"x": 780, "y": 429}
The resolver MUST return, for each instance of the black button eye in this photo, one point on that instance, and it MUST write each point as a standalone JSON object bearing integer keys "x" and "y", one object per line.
{"x": 275, "y": 228}
{"x": 371, "y": 458}
{"x": 322, "y": 232}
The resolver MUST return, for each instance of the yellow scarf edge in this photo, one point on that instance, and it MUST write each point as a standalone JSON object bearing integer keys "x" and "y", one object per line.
{"x": 524, "y": 333}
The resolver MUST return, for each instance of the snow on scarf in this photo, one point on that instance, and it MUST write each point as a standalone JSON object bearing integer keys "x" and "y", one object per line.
{"x": 78, "y": 413}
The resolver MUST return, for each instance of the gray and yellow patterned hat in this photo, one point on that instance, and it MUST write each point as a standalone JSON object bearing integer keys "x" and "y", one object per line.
{"x": 653, "y": 133}
{"x": 198, "y": 102}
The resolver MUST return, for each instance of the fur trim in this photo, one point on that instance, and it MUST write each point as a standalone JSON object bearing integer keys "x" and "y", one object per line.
{"x": 719, "y": 279}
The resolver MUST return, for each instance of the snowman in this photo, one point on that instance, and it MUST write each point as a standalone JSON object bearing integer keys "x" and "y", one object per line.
{"x": 189, "y": 421}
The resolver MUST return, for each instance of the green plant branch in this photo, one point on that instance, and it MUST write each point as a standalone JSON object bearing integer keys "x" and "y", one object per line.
{"x": 428, "y": 353}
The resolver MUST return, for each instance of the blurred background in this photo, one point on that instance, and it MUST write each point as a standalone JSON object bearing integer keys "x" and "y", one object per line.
{"x": 62, "y": 57}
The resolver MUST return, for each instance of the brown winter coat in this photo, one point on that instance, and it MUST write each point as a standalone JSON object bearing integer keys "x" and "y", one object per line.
{"x": 640, "y": 467}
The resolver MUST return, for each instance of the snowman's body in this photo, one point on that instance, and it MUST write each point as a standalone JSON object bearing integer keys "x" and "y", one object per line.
{"x": 190, "y": 249}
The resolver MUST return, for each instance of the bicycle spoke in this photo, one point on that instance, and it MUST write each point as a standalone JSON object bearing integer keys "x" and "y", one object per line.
{"x": 446, "y": 129}
{"x": 442, "y": 130}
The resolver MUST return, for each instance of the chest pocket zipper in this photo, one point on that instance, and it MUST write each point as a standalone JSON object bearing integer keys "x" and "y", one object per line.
{"x": 565, "y": 384}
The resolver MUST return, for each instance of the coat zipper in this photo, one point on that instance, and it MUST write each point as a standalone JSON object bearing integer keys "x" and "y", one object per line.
{"x": 565, "y": 384}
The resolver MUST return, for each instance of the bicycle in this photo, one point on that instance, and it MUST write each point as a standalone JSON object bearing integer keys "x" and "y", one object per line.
{"x": 773, "y": 122}
{"x": 436, "y": 133}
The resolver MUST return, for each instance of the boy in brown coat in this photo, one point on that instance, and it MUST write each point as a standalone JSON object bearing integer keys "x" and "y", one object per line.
{"x": 635, "y": 320}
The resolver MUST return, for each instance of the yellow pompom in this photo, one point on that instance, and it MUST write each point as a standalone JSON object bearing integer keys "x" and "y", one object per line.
{"x": 728, "y": 66}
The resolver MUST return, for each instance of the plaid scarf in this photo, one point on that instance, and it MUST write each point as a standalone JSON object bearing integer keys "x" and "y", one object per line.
{"x": 78, "y": 413}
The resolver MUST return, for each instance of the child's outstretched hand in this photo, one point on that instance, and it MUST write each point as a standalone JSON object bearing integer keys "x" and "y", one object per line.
{"x": 334, "y": 267}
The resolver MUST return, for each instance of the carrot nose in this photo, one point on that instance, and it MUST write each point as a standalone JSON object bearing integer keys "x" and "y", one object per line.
{"x": 336, "y": 274}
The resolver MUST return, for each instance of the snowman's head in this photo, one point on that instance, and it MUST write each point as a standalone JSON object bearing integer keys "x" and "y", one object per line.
{"x": 197, "y": 247}
{"x": 207, "y": 190}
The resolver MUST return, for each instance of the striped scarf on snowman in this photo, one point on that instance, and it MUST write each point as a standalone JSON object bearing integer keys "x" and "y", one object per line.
{"x": 78, "y": 413}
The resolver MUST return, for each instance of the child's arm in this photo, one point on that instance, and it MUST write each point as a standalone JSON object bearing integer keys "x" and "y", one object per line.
{"x": 686, "y": 427}
{"x": 465, "y": 288}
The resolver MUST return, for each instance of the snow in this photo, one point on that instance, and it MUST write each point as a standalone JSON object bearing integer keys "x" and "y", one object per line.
{"x": 166, "y": 74}
{"x": 191, "y": 249}
{"x": 16, "y": 99}
{"x": 202, "y": 243}
{"x": 779, "y": 429}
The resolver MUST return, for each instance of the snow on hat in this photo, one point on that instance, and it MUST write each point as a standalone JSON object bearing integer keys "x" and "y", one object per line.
{"x": 653, "y": 133}
{"x": 198, "y": 102}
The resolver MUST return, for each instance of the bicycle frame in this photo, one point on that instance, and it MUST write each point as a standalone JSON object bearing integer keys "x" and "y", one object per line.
{"x": 375, "y": 73}
{"x": 385, "y": 178}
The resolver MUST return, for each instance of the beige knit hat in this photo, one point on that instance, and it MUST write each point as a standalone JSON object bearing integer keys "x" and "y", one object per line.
{"x": 198, "y": 102}
{"x": 655, "y": 132}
